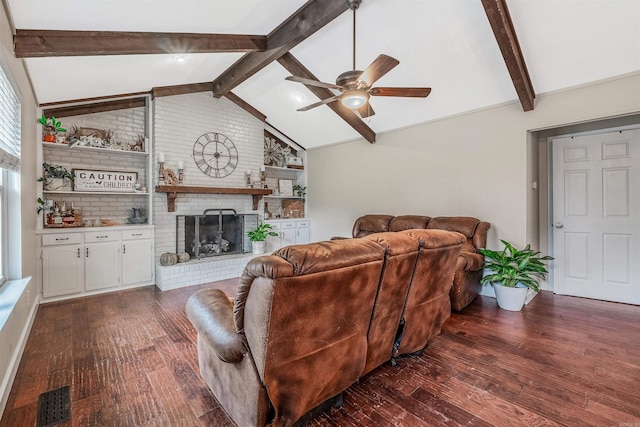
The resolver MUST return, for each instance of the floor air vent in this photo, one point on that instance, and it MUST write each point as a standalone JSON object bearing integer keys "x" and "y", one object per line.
{"x": 54, "y": 407}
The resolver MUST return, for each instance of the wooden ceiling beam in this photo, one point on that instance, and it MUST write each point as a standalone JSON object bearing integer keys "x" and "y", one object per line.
{"x": 296, "y": 68}
{"x": 246, "y": 106}
{"x": 98, "y": 107}
{"x": 311, "y": 17}
{"x": 505, "y": 34}
{"x": 44, "y": 43}
{"x": 159, "y": 91}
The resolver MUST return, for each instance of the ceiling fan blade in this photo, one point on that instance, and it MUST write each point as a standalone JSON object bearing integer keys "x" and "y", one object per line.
{"x": 366, "y": 111}
{"x": 319, "y": 103}
{"x": 378, "y": 68}
{"x": 311, "y": 82}
{"x": 411, "y": 92}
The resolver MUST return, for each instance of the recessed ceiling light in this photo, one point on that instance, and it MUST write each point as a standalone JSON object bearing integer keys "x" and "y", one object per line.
{"x": 299, "y": 97}
{"x": 179, "y": 58}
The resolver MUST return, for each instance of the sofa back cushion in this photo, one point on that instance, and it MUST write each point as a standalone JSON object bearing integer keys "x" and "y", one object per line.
{"x": 369, "y": 224}
{"x": 408, "y": 222}
{"x": 400, "y": 260}
{"x": 465, "y": 225}
{"x": 428, "y": 306}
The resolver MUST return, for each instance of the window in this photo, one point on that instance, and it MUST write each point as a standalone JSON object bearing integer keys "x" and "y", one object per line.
{"x": 9, "y": 167}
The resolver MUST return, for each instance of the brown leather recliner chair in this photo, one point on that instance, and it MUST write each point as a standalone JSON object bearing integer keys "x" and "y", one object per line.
{"x": 296, "y": 335}
{"x": 466, "y": 281}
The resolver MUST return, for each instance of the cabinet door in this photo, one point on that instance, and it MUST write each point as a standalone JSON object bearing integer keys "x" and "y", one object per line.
{"x": 302, "y": 235}
{"x": 288, "y": 237}
{"x": 62, "y": 270}
{"x": 102, "y": 266}
{"x": 137, "y": 261}
{"x": 288, "y": 234}
{"x": 273, "y": 242}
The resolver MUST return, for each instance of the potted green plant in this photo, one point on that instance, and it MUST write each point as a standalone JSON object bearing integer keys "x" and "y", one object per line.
{"x": 512, "y": 272}
{"x": 55, "y": 177}
{"x": 300, "y": 191}
{"x": 259, "y": 236}
{"x": 50, "y": 128}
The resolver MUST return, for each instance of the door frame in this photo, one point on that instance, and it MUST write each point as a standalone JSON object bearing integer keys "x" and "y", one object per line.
{"x": 539, "y": 175}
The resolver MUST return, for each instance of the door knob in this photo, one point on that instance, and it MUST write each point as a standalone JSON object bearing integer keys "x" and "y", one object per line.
{"x": 558, "y": 225}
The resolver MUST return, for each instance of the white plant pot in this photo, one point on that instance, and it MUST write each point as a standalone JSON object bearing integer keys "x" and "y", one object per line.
{"x": 511, "y": 299}
{"x": 57, "y": 184}
{"x": 258, "y": 247}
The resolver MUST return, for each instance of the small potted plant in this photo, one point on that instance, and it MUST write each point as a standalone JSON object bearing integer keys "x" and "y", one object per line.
{"x": 300, "y": 191}
{"x": 259, "y": 236}
{"x": 512, "y": 272}
{"x": 55, "y": 177}
{"x": 50, "y": 128}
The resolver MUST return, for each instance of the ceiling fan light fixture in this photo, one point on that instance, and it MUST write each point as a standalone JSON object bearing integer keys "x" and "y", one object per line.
{"x": 354, "y": 98}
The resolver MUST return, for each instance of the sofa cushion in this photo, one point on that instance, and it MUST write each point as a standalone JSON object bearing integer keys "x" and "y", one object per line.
{"x": 462, "y": 224}
{"x": 369, "y": 224}
{"x": 329, "y": 255}
{"x": 402, "y": 252}
{"x": 408, "y": 222}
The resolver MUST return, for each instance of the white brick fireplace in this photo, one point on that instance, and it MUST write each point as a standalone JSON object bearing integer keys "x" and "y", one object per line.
{"x": 178, "y": 122}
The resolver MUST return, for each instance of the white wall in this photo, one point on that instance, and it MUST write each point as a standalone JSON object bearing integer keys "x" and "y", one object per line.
{"x": 475, "y": 164}
{"x": 16, "y": 328}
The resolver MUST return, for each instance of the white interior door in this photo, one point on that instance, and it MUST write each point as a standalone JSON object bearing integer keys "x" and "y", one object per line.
{"x": 596, "y": 216}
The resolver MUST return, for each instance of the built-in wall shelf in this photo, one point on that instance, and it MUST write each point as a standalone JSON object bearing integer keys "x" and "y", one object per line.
{"x": 57, "y": 146}
{"x": 173, "y": 191}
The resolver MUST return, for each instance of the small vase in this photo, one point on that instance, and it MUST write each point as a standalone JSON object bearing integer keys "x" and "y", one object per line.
{"x": 511, "y": 299}
{"x": 49, "y": 138}
{"x": 258, "y": 247}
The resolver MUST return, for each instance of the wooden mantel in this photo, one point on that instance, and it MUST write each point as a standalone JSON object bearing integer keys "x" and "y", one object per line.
{"x": 173, "y": 190}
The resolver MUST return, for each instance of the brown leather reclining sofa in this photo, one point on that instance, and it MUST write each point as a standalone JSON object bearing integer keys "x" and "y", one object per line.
{"x": 309, "y": 320}
{"x": 466, "y": 282}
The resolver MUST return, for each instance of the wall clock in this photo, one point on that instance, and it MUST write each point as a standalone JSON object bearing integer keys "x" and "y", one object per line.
{"x": 215, "y": 154}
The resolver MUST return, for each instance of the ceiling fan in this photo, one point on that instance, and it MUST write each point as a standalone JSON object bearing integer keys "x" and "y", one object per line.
{"x": 355, "y": 85}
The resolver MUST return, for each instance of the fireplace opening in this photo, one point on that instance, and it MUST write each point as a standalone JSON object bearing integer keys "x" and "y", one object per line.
{"x": 215, "y": 232}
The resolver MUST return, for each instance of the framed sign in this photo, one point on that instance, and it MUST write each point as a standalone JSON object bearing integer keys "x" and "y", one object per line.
{"x": 99, "y": 180}
{"x": 286, "y": 187}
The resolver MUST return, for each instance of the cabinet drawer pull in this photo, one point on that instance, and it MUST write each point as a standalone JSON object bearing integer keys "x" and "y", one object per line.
{"x": 101, "y": 237}
{"x": 58, "y": 239}
{"x": 124, "y": 249}
{"x": 136, "y": 234}
{"x": 86, "y": 252}
{"x": 78, "y": 252}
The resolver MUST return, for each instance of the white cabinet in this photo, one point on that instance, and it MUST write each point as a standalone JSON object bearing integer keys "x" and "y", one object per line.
{"x": 62, "y": 264}
{"x": 290, "y": 232}
{"x": 137, "y": 256}
{"x": 97, "y": 260}
{"x": 102, "y": 266}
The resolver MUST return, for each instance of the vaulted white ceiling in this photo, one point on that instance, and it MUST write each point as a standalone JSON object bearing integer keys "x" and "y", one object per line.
{"x": 447, "y": 45}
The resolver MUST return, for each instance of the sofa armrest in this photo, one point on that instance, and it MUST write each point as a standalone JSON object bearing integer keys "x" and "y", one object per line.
{"x": 211, "y": 313}
{"x": 473, "y": 262}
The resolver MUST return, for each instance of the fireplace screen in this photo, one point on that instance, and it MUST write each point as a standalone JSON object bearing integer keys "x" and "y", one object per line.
{"x": 215, "y": 232}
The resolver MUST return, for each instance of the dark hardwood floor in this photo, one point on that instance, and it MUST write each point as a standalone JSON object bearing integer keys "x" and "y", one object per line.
{"x": 131, "y": 360}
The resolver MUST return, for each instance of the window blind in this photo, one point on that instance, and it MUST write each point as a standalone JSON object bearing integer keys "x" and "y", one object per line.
{"x": 9, "y": 125}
